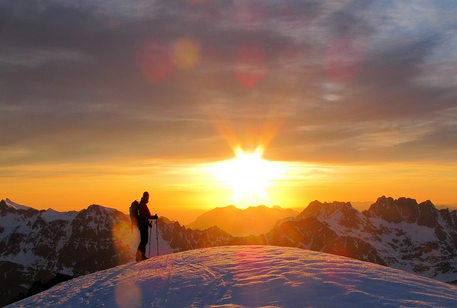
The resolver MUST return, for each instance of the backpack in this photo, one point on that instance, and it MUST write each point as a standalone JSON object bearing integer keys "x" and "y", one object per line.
{"x": 134, "y": 216}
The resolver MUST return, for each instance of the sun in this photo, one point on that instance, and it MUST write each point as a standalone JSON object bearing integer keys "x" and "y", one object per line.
{"x": 248, "y": 173}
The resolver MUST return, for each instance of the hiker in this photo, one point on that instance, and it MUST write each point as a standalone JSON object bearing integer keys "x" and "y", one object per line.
{"x": 143, "y": 223}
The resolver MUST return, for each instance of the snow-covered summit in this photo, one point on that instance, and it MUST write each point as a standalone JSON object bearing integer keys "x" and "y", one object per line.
{"x": 15, "y": 206}
{"x": 48, "y": 215}
{"x": 248, "y": 276}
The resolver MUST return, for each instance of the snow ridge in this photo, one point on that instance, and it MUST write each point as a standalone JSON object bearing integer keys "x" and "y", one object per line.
{"x": 248, "y": 276}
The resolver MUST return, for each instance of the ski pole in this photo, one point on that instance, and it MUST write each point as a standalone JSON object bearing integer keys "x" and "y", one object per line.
{"x": 157, "y": 236}
{"x": 150, "y": 232}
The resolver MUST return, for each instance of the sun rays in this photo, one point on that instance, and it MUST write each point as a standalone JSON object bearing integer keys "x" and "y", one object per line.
{"x": 248, "y": 173}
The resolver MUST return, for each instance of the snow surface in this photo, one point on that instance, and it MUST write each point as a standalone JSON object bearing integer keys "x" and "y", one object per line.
{"x": 248, "y": 276}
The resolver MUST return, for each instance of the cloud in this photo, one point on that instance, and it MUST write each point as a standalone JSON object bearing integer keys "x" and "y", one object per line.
{"x": 345, "y": 78}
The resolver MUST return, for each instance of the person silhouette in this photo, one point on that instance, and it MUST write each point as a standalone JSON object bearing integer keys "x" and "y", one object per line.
{"x": 144, "y": 215}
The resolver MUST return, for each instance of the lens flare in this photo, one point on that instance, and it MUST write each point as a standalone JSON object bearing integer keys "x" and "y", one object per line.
{"x": 250, "y": 65}
{"x": 155, "y": 59}
{"x": 247, "y": 261}
{"x": 125, "y": 241}
{"x": 186, "y": 54}
{"x": 128, "y": 295}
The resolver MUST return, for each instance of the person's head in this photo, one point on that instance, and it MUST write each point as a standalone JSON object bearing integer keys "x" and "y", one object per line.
{"x": 146, "y": 196}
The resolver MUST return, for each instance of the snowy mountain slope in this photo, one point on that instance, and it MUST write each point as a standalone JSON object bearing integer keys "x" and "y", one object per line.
{"x": 401, "y": 234}
{"x": 37, "y": 245}
{"x": 237, "y": 222}
{"x": 248, "y": 276}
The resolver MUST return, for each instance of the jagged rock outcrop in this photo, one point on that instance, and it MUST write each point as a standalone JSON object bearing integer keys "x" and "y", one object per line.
{"x": 398, "y": 233}
{"x": 406, "y": 210}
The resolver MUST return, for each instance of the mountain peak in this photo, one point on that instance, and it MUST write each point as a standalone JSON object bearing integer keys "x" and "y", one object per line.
{"x": 317, "y": 208}
{"x": 404, "y": 210}
{"x": 94, "y": 207}
{"x": 261, "y": 206}
{"x": 7, "y": 203}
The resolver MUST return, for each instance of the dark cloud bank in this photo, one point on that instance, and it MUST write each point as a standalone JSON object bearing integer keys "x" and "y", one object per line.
{"x": 319, "y": 77}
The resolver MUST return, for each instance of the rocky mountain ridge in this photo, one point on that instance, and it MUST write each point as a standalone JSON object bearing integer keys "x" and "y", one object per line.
{"x": 400, "y": 233}
{"x": 38, "y": 245}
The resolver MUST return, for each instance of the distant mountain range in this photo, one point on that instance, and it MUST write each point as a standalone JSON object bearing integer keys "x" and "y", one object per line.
{"x": 400, "y": 233}
{"x": 251, "y": 221}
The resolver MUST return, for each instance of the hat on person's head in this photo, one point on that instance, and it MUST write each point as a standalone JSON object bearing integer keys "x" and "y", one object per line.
{"x": 145, "y": 194}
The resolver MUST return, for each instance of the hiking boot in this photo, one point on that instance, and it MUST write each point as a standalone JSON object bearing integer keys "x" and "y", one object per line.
{"x": 138, "y": 256}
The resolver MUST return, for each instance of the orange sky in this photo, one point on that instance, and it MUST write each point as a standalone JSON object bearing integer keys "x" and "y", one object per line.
{"x": 181, "y": 191}
{"x": 354, "y": 100}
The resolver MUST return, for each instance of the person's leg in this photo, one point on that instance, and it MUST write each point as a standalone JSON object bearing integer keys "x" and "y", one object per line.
{"x": 141, "y": 254}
